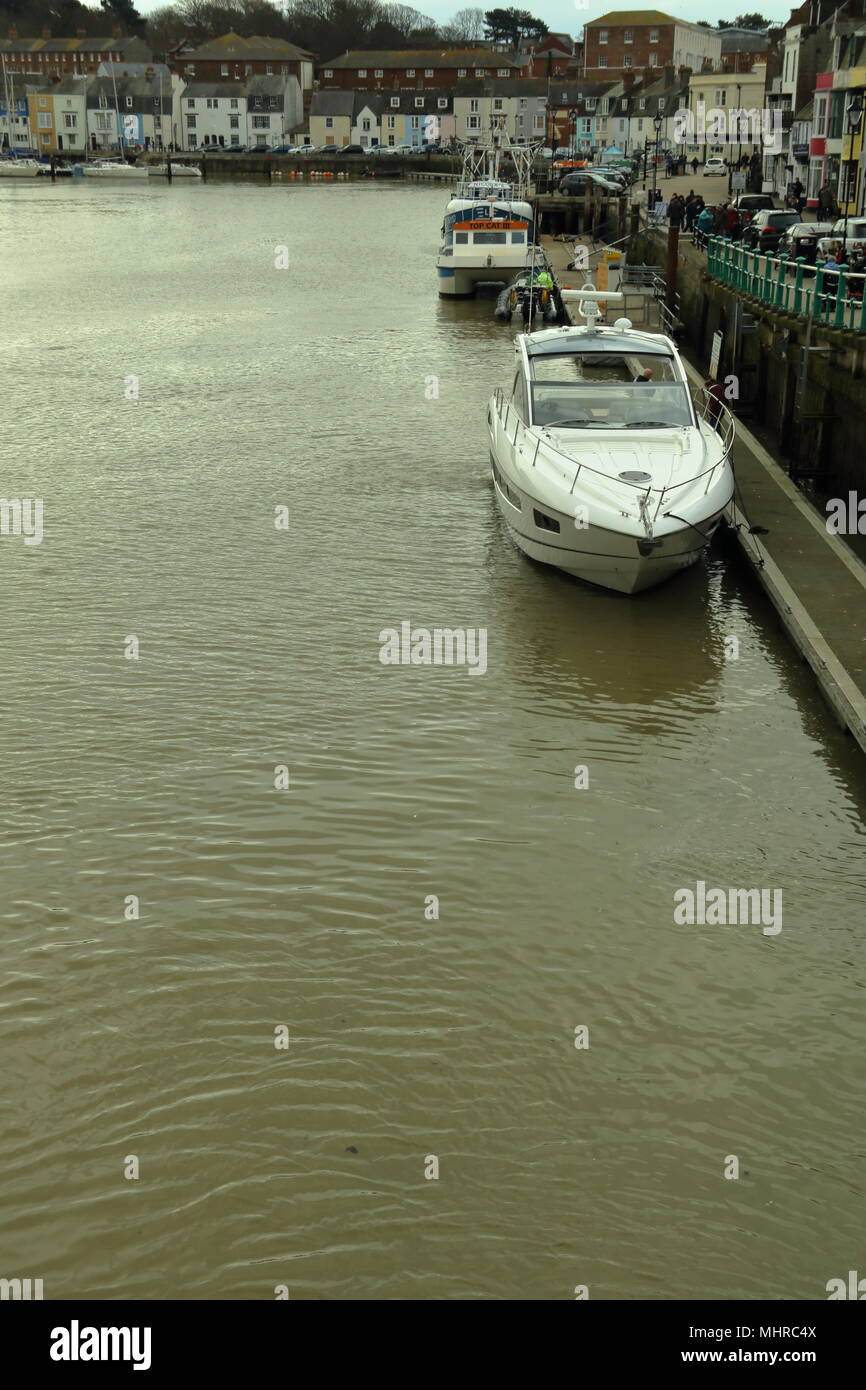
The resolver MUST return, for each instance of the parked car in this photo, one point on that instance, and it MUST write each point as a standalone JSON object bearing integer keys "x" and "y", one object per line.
{"x": 854, "y": 236}
{"x": 581, "y": 182}
{"x": 212, "y": 147}
{"x": 283, "y": 149}
{"x": 352, "y": 149}
{"x": 801, "y": 239}
{"x": 715, "y": 165}
{"x": 764, "y": 232}
{"x": 753, "y": 202}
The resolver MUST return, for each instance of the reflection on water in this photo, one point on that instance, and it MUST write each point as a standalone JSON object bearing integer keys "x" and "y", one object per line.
{"x": 410, "y": 1035}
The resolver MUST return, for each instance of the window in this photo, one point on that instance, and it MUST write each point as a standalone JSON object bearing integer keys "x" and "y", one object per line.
{"x": 234, "y": 122}
{"x": 497, "y": 103}
{"x": 329, "y": 72}
{"x": 71, "y": 120}
{"x": 365, "y": 124}
{"x": 602, "y": 36}
{"x": 721, "y": 96}
{"x": 628, "y": 36}
{"x": 626, "y": 60}
{"x": 46, "y": 139}
{"x": 590, "y": 103}
{"x": 605, "y": 105}
{"x": 623, "y": 106}
{"x": 419, "y": 101}
{"x": 190, "y": 122}
{"x": 261, "y": 122}
{"x": 602, "y": 60}
{"x": 43, "y": 101}
{"x": 233, "y": 103}
{"x": 538, "y": 122}
{"x": 654, "y": 35}
{"x": 640, "y": 127}
{"x": 213, "y": 103}
{"x": 442, "y": 103}
{"x": 284, "y": 69}
{"x": 641, "y": 106}
{"x": 362, "y": 72}
{"x": 378, "y": 72}
{"x": 395, "y": 101}
{"x": 543, "y": 521}
{"x": 329, "y": 123}
{"x": 480, "y": 72}
{"x": 224, "y": 69}
{"x": 390, "y": 123}
{"x": 473, "y": 122}
{"x": 235, "y": 139}
{"x": 44, "y": 120}
{"x": 473, "y": 104}
{"x": 523, "y": 103}
{"x": 653, "y": 59}
{"x": 586, "y": 125}
{"x": 269, "y": 70}
{"x": 428, "y": 72}
{"x": 248, "y": 67}
{"x": 410, "y": 72}
{"x": 502, "y": 72}
{"x": 191, "y": 69}
{"x": 461, "y": 72}
{"x": 415, "y": 122}
{"x": 190, "y": 101}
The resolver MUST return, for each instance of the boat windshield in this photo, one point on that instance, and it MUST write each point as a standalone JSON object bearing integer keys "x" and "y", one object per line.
{"x": 608, "y": 390}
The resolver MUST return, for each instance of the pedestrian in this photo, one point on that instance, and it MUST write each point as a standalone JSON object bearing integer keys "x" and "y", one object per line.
{"x": 676, "y": 210}
{"x": 669, "y": 164}
{"x": 720, "y": 219}
{"x": 695, "y": 167}
{"x": 705, "y": 224}
{"x": 732, "y": 222}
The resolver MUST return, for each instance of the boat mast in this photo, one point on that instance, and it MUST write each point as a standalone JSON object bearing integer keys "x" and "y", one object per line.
{"x": 117, "y": 111}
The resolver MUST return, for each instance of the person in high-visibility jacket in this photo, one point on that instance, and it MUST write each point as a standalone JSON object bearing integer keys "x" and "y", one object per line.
{"x": 544, "y": 281}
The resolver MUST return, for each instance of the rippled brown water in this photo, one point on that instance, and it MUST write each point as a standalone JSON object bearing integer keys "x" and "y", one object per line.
{"x": 306, "y": 907}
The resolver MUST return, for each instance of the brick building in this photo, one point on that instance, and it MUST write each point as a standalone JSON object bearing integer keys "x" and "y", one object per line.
{"x": 79, "y": 57}
{"x": 234, "y": 59}
{"x": 622, "y": 40}
{"x": 376, "y": 70}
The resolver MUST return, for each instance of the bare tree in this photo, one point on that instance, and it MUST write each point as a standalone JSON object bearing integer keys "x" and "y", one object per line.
{"x": 465, "y": 26}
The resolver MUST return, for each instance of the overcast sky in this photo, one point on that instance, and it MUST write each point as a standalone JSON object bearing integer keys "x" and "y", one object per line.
{"x": 568, "y": 17}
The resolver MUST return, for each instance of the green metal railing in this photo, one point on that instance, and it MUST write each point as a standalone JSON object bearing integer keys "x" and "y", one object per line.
{"x": 833, "y": 297}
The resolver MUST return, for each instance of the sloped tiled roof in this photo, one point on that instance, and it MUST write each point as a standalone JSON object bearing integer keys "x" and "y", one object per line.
{"x": 423, "y": 58}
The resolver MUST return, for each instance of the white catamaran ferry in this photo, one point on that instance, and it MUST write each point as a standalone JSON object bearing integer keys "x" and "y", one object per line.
{"x": 488, "y": 235}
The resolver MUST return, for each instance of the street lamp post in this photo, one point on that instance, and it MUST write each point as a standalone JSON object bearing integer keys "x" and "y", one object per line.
{"x": 853, "y": 113}
{"x": 657, "y": 125}
{"x": 572, "y": 125}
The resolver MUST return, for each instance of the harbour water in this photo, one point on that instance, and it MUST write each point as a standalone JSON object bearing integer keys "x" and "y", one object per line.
{"x": 167, "y": 387}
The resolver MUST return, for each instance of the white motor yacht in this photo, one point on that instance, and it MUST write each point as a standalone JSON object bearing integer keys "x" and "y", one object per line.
{"x": 178, "y": 171}
{"x": 113, "y": 169}
{"x": 488, "y": 234}
{"x": 22, "y": 168}
{"x": 603, "y": 465}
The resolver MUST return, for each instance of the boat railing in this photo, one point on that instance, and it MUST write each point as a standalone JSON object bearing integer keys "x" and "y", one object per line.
{"x": 712, "y": 410}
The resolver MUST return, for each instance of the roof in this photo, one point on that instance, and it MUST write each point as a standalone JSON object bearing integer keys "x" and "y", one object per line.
{"x": 232, "y": 45}
{"x": 422, "y": 58}
{"x": 212, "y": 89}
{"x": 635, "y": 17}
{"x": 95, "y": 45}
{"x": 332, "y": 103}
{"x": 593, "y": 340}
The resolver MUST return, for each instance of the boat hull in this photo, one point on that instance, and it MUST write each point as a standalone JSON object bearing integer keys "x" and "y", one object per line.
{"x": 595, "y": 554}
{"x": 461, "y": 281}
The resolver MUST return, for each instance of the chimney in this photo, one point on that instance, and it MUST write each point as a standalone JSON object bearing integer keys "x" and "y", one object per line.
{"x": 670, "y": 74}
{"x": 628, "y": 81}
{"x": 46, "y": 33}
